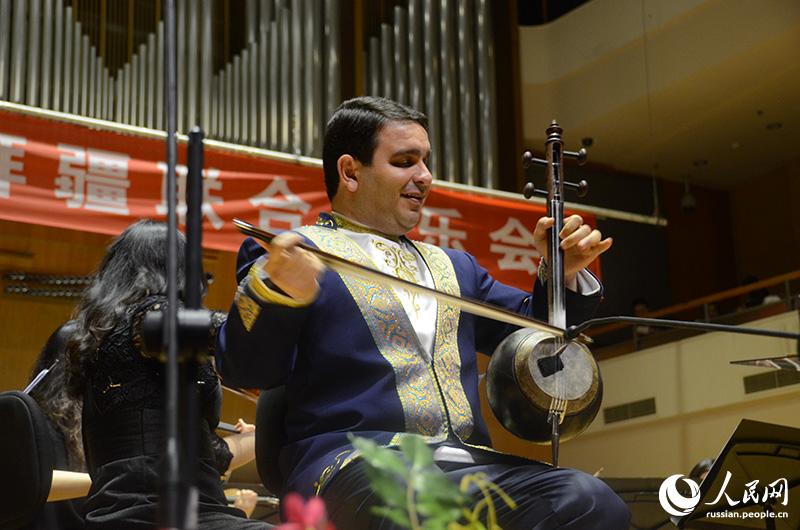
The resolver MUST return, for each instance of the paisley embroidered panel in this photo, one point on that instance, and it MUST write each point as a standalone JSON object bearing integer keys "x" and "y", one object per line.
{"x": 446, "y": 355}
{"x": 393, "y": 334}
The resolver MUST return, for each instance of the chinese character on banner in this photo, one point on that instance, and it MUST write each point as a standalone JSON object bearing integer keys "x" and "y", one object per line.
{"x": 93, "y": 179}
{"x": 283, "y": 207}
{"x": 11, "y": 153}
{"x": 211, "y": 183}
{"x": 776, "y": 490}
{"x": 518, "y": 250}
{"x": 441, "y": 234}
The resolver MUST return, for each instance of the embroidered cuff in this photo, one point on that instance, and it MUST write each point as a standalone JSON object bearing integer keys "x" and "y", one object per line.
{"x": 269, "y": 294}
{"x": 586, "y": 281}
{"x": 248, "y": 308}
{"x": 544, "y": 271}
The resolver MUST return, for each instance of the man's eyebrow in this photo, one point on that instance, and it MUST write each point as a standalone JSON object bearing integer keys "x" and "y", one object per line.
{"x": 412, "y": 151}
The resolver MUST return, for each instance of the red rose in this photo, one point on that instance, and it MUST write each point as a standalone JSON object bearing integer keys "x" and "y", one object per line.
{"x": 304, "y": 515}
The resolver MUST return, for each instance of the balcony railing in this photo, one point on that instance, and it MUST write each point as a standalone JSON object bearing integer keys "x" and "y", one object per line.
{"x": 733, "y": 306}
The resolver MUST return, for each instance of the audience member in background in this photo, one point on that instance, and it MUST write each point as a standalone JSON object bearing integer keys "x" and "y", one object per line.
{"x": 122, "y": 389}
{"x": 701, "y": 469}
{"x": 756, "y": 297}
{"x": 640, "y": 308}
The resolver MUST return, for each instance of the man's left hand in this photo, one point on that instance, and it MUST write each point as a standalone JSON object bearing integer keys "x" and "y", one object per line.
{"x": 580, "y": 243}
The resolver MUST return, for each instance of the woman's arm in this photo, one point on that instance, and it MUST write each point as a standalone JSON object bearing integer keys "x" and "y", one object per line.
{"x": 242, "y": 445}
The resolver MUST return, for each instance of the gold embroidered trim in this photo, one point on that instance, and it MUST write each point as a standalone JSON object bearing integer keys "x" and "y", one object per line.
{"x": 394, "y": 336}
{"x": 338, "y": 463}
{"x": 404, "y": 265}
{"x": 346, "y": 224}
{"x": 400, "y": 260}
{"x": 248, "y": 309}
{"x": 430, "y": 440}
{"x": 267, "y": 295}
{"x": 446, "y": 355}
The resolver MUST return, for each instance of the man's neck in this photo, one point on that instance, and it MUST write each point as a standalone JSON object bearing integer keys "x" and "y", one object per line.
{"x": 347, "y": 222}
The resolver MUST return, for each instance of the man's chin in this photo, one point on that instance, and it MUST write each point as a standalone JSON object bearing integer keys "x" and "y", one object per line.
{"x": 411, "y": 221}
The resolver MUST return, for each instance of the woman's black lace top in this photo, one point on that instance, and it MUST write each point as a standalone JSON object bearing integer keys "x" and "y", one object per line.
{"x": 122, "y": 377}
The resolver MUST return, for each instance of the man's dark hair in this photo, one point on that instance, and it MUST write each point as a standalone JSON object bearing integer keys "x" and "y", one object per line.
{"x": 353, "y": 130}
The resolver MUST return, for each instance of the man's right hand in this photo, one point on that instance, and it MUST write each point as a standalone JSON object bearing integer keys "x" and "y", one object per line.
{"x": 293, "y": 270}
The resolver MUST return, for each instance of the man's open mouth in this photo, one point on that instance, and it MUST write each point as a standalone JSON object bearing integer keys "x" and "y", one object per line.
{"x": 417, "y": 197}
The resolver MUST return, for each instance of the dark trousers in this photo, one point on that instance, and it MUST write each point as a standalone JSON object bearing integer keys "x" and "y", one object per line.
{"x": 546, "y": 497}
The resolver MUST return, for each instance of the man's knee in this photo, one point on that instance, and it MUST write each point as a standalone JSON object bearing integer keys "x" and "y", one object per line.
{"x": 594, "y": 504}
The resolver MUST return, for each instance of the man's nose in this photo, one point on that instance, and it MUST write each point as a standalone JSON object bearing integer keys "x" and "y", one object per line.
{"x": 424, "y": 176}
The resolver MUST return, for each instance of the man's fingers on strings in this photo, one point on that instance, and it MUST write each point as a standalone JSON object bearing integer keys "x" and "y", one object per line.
{"x": 605, "y": 244}
{"x": 542, "y": 225}
{"x": 576, "y": 237}
{"x": 599, "y": 247}
{"x": 571, "y": 223}
{"x": 590, "y": 240}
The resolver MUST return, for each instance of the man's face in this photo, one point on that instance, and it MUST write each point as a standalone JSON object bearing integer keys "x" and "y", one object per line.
{"x": 393, "y": 189}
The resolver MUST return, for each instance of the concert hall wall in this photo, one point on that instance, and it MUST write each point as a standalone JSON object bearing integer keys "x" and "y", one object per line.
{"x": 766, "y": 222}
{"x": 692, "y": 256}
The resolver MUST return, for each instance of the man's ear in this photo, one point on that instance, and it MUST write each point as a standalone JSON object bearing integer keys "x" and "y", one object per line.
{"x": 348, "y": 172}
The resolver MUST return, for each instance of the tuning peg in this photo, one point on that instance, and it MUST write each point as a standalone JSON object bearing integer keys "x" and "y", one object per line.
{"x": 528, "y": 160}
{"x": 530, "y": 190}
{"x": 580, "y": 155}
{"x": 581, "y": 187}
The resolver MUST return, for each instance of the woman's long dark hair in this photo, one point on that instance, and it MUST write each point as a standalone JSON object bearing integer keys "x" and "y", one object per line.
{"x": 63, "y": 410}
{"x": 134, "y": 267}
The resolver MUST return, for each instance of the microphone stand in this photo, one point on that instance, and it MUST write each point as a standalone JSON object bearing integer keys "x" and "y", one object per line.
{"x": 193, "y": 326}
{"x": 172, "y": 494}
{"x": 574, "y": 331}
{"x": 185, "y": 328}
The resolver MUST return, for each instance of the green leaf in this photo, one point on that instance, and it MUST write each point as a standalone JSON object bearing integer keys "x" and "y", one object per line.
{"x": 439, "y": 510}
{"x": 390, "y": 490}
{"x": 442, "y": 520}
{"x": 435, "y": 524}
{"x": 380, "y": 457}
{"x": 434, "y": 484}
{"x": 362, "y": 444}
{"x": 397, "y": 515}
{"x": 416, "y": 450}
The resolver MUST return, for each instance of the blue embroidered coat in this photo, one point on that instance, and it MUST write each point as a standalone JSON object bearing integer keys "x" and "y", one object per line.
{"x": 351, "y": 361}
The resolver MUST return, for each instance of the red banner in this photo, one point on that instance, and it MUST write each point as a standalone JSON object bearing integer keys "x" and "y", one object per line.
{"x": 72, "y": 176}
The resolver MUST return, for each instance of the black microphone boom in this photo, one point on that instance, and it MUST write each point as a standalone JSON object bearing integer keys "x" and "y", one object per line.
{"x": 574, "y": 331}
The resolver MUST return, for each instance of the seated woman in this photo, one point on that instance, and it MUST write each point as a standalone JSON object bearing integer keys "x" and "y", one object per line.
{"x": 64, "y": 414}
{"x": 123, "y": 391}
